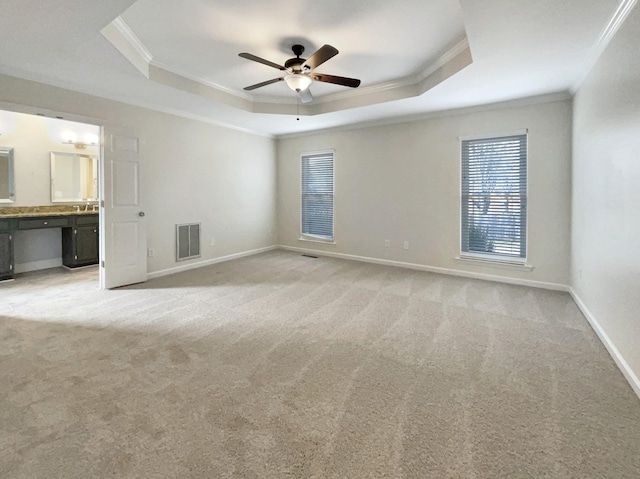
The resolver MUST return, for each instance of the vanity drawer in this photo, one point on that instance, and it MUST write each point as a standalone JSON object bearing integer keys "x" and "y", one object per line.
{"x": 4, "y": 226}
{"x": 37, "y": 223}
{"x": 86, "y": 219}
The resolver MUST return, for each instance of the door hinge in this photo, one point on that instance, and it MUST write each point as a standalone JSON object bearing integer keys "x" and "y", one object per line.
{"x": 102, "y": 203}
{"x": 102, "y": 263}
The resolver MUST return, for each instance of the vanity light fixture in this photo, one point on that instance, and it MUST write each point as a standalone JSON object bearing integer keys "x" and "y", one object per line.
{"x": 70, "y": 138}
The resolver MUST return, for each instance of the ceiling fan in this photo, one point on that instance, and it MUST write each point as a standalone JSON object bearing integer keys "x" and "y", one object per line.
{"x": 299, "y": 72}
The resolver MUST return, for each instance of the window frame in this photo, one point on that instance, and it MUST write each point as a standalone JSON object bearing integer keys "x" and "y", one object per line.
{"x": 311, "y": 237}
{"x": 496, "y": 258}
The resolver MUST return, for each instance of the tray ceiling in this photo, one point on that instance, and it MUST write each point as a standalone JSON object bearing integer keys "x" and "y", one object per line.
{"x": 391, "y": 46}
{"x": 414, "y": 58}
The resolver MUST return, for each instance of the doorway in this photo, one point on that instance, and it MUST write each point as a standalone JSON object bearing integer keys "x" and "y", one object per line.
{"x": 51, "y": 218}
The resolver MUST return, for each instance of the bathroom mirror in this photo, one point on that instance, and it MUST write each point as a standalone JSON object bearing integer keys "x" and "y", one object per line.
{"x": 7, "y": 193}
{"x": 74, "y": 177}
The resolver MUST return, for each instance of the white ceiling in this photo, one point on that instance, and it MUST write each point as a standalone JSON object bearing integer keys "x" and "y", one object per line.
{"x": 404, "y": 51}
{"x": 202, "y": 39}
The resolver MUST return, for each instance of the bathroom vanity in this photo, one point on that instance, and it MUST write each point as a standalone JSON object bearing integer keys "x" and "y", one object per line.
{"x": 80, "y": 235}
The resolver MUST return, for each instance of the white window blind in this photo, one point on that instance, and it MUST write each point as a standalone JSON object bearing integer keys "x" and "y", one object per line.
{"x": 494, "y": 197}
{"x": 317, "y": 195}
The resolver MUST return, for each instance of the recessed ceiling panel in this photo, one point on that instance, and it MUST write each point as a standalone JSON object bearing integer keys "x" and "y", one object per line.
{"x": 379, "y": 41}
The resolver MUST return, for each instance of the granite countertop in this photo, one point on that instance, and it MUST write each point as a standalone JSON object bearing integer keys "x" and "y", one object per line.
{"x": 30, "y": 211}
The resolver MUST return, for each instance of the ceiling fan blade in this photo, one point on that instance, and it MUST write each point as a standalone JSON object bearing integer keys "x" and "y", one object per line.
{"x": 306, "y": 96}
{"x": 322, "y": 55}
{"x": 264, "y": 83}
{"x": 249, "y": 56}
{"x": 344, "y": 81}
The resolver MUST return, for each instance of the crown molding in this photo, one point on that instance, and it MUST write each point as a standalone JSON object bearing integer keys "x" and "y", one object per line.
{"x": 450, "y": 55}
{"x": 129, "y": 45}
{"x": 525, "y": 101}
{"x": 132, "y": 38}
{"x": 616, "y": 21}
{"x": 203, "y": 81}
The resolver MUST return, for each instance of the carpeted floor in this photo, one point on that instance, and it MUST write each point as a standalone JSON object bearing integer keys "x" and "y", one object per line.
{"x": 282, "y": 366}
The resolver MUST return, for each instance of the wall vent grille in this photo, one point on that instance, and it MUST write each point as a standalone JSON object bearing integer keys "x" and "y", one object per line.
{"x": 187, "y": 241}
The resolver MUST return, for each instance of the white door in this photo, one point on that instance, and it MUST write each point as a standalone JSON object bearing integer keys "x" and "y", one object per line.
{"x": 122, "y": 221}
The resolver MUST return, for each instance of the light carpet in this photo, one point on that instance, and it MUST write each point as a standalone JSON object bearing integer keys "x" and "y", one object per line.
{"x": 283, "y": 366}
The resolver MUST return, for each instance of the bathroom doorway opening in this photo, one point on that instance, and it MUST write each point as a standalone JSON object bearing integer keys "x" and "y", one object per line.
{"x": 54, "y": 208}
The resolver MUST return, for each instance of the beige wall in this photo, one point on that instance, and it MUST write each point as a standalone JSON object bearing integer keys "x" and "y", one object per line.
{"x": 193, "y": 171}
{"x": 605, "y": 273}
{"x": 402, "y": 182}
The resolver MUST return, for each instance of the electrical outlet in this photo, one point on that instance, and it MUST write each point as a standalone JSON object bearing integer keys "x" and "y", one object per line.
{"x": 212, "y": 242}
{"x": 387, "y": 243}
{"x": 150, "y": 252}
{"x": 406, "y": 245}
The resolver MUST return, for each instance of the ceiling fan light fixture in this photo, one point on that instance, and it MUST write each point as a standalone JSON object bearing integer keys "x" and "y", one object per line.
{"x": 298, "y": 81}
{"x": 300, "y": 73}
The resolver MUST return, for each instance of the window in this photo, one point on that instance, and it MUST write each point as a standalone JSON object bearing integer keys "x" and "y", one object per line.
{"x": 317, "y": 196}
{"x": 494, "y": 198}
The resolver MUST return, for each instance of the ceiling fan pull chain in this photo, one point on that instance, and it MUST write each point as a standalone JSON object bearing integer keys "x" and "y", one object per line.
{"x": 298, "y": 108}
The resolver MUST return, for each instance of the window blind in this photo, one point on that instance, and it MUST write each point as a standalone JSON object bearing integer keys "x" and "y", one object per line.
{"x": 494, "y": 196}
{"x": 317, "y": 195}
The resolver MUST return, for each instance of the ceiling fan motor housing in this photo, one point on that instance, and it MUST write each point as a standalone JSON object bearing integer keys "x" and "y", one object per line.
{"x": 295, "y": 64}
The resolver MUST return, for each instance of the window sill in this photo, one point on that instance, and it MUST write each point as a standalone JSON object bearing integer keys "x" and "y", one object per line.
{"x": 495, "y": 263}
{"x": 316, "y": 240}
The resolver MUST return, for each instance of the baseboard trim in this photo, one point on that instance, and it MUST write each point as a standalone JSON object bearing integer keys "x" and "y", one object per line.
{"x": 432, "y": 269}
{"x": 37, "y": 265}
{"x": 208, "y": 262}
{"x": 622, "y": 364}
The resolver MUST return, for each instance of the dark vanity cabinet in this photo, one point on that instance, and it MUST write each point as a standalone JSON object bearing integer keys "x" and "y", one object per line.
{"x": 6, "y": 250}
{"x": 80, "y": 242}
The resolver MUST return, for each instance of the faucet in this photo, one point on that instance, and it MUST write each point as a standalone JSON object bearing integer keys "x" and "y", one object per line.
{"x": 86, "y": 208}
{"x": 77, "y": 207}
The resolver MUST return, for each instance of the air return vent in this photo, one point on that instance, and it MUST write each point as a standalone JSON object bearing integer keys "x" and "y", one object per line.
{"x": 187, "y": 241}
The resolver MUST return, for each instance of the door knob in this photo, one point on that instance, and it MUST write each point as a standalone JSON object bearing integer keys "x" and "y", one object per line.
{"x": 141, "y": 213}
